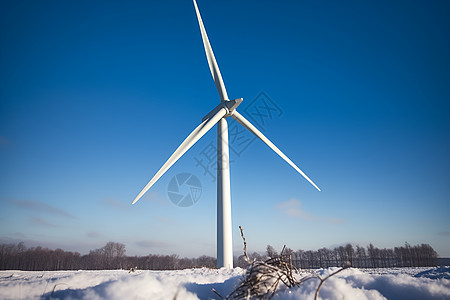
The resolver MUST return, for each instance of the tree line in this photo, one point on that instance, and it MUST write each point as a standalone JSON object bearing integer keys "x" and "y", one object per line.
{"x": 113, "y": 256}
{"x": 109, "y": 257}
{"x": 371, "y": 257}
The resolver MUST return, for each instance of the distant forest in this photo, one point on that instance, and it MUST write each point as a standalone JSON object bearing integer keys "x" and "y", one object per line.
{"x": 112, "y": 256}
{"x": 371, "y": 257}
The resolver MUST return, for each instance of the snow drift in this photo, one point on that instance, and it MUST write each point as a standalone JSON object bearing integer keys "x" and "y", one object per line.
{"x": 400, "y": 283}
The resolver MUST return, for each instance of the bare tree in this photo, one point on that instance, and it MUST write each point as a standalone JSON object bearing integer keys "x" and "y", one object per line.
{"x": 271, "y": 252}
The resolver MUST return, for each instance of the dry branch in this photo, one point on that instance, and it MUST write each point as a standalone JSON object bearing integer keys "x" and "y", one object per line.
{"x": 345, "y": 266}
{"x": 245, "y": 244}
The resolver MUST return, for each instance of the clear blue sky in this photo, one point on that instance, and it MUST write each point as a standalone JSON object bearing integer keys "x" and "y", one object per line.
{"x": 96, "y": 95}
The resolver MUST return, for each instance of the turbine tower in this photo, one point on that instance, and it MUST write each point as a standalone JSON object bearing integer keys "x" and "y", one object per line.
{"x": 219, "y": 115}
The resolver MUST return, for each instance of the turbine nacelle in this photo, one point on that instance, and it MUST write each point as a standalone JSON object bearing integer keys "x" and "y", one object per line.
{"x": 229, "y": 105}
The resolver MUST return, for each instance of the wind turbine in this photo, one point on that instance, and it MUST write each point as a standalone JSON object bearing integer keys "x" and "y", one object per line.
{"x": 219, "y": 115}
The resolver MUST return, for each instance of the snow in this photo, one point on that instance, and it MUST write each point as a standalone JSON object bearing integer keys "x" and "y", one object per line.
{"x": 441, "y": 272}
{"x": 394, "y": 283}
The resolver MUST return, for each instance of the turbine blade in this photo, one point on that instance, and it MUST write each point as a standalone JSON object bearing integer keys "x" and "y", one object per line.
{"x": 198, "y": 132}
{"x": 244, "y": 122}
{"x": 211, "y": 59}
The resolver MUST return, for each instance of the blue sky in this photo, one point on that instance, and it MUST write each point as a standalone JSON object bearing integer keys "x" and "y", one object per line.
{"x": 95, "y": 96}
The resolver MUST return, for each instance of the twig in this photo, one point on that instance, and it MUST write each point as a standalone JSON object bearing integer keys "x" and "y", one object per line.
{"x": 132, "y": 270}
{"x": 176, "y": 294}
{"x": 54, "y": 287}
{"x": 217, "y": 293}
{"x": 345, "y": 266}
{"x": 245, "y": 244}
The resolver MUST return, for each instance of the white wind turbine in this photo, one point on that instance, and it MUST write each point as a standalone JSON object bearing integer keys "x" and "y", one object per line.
{"x": 226, "y": 108}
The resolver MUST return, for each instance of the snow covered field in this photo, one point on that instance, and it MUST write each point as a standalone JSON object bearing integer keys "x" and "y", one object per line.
{"x": 395, "y": 283}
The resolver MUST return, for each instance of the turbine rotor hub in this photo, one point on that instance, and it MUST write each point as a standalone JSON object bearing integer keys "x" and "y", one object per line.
{"x": 229, "y": 105}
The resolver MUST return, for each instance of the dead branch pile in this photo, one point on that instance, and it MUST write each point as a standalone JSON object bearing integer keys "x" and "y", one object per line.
{"x": 264, "y": 278}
